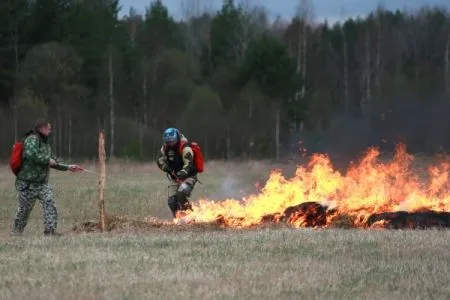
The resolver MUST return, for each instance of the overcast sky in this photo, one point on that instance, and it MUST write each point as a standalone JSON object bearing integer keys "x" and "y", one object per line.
{"x": 323, "y": 9}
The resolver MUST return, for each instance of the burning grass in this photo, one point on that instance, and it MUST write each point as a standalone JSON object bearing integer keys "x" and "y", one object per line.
{"x": 318, "y": 194}
{"x": 371, "y": 193}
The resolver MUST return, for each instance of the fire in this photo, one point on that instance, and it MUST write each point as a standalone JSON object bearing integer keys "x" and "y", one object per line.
{"x": 368, "y": 187}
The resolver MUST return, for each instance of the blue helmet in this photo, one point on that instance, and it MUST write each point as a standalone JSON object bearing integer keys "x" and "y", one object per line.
{"x": 171, "y": 136}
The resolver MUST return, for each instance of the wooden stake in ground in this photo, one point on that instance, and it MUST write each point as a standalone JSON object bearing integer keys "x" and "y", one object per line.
{"x": 101, "y": 182}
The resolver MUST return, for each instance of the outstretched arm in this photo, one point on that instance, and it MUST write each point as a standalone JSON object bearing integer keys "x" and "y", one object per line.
{"x": 59, "y": 166}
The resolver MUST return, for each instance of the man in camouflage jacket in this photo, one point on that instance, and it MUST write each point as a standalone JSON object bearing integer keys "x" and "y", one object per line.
{"x": 32, "y": 180}
{"x": 180, "y": 169}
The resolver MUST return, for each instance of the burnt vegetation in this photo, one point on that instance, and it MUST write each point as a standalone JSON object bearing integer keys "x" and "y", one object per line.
{"x": 304, "y": 215}
{"x": 311, "y": 214}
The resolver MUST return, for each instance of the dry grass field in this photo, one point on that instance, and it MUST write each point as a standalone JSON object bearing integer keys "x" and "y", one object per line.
{"x": 205, "y": 262}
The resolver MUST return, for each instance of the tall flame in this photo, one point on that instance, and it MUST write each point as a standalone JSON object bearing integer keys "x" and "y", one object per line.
{"x": 367, "y": 187}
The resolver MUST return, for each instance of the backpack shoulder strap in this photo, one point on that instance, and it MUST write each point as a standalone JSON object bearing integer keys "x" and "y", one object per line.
{"x": 181, "y": 146}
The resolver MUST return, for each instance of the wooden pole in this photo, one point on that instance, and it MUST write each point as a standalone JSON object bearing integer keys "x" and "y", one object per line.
{"x": 101, "y": 182}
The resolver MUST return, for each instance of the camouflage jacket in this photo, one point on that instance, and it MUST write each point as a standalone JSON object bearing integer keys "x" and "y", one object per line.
{"x": 36, "y": 158}
{"x": 171, "y": 160}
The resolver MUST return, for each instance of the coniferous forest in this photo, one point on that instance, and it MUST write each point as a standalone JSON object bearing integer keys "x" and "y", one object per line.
{"x": 241, "y": 83}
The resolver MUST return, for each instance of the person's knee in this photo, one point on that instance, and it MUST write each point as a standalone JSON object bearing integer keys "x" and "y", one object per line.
{"x": 46, "y": 193}
{"x": 186, "y": 188}
{"x": 49, "y": 206}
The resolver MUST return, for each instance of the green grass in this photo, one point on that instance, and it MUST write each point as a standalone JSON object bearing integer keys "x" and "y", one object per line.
{"x": 204, "y": 262}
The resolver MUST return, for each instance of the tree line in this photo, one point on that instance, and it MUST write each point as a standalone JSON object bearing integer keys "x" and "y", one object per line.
{"x": 239, "y": 83}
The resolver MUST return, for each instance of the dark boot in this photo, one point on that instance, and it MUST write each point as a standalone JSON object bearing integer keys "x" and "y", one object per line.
{"x": 187, "y": 205}
{"x": 183, "y": 202}
{"x": 173, "y": 205}
{"x": 52, "y": 232}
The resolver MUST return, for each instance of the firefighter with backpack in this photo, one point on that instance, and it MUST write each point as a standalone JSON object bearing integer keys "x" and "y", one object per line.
{"x": 31, "y": 160}
{"x": 181, "y": 161}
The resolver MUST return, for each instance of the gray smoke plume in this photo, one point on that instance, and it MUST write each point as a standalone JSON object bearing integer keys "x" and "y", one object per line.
{"x": 230, "y": 187}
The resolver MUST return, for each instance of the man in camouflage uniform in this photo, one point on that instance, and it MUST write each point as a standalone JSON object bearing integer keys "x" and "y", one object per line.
{"x": 176, "y": 159}
{"x": 32, "y": 180}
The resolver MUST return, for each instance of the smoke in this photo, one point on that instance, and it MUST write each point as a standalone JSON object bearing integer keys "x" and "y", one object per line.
{"x": 420, "y": 123}
{"x": 233, "y": 186}
{"x": 230, "y": 187}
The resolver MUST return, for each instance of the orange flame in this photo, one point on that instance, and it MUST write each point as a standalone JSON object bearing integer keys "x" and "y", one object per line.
{"x": 368, "y": 187}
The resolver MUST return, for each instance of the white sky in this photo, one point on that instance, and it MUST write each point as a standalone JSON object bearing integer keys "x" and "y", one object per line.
{"x": 323, "y": 9}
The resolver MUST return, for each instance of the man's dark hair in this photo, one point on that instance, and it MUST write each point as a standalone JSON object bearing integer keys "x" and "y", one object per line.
{"x": 40, "y": 123}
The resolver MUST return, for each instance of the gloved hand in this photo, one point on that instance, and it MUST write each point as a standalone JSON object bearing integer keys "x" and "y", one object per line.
{"x": 167, "y": 169}
{"x": 182, "y": 174}
{"x": 53, "y": 163}
{"x": 75, "y": 168}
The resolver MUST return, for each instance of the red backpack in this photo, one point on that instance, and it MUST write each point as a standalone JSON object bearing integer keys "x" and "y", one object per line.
{"x": 199, "y": 161}
{"x": 16, "y": 156}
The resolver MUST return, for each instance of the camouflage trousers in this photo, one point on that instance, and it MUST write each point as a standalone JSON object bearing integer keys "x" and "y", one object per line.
{"x": 179, "y": 193}
{"x": 28, "y": 193}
